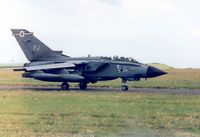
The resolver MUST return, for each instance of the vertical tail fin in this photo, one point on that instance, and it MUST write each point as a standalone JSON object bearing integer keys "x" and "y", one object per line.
{"x": 33, "y": 48}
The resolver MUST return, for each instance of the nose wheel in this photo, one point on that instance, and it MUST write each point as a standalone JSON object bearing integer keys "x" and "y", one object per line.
{"x": 124, "y": 85}
{"x": 124, "y": 88}
{"x": 65, "y": 86}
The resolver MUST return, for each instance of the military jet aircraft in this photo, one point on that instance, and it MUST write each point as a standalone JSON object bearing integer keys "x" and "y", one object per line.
{"x": 52, "y": 66}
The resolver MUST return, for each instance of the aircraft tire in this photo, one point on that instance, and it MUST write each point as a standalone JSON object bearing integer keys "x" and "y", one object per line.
{"x": 124, "y": 88}
{"x": 65, "y": 86}
{"x": 83, "y": 85}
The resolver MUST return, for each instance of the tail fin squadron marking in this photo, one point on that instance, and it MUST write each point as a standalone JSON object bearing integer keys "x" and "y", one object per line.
{"x": 22, "y": 34}
{"x": 36, "y": 48}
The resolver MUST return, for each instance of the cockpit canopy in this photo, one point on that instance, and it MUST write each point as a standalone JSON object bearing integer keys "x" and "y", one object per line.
{"x": 117, "y": 58}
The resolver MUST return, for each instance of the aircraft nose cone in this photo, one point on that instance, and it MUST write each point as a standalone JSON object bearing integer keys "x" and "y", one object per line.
{"x": 154, "y": 72}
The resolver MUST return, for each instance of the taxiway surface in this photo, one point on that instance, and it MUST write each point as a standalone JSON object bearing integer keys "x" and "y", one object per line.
{"x": 102, "y": 89}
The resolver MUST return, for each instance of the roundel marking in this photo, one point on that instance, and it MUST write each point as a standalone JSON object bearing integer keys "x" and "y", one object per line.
{"x": 21, "y": 34}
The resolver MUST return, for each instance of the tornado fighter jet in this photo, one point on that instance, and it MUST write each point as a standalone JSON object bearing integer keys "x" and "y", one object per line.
{"x": 48, "y": 65}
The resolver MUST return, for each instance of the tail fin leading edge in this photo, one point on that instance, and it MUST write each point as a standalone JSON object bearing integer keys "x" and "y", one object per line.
{"x": 33, "y": 48}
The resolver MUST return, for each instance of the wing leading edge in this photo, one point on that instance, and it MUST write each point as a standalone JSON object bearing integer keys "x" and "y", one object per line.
{"x": 67, "y": 65}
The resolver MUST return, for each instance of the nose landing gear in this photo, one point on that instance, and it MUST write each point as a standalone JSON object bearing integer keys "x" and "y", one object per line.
{"x": 124, "y": 85}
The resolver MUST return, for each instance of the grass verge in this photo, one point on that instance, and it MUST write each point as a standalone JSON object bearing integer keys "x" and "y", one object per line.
{"x": 28, "y": 113}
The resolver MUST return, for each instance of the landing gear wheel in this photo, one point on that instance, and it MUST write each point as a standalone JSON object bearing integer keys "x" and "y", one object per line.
{"x": 83, "y": 85}
{"x": 124, "y": 85}
{"x": 124, "y": 88}
{"x": 65, "y": 86}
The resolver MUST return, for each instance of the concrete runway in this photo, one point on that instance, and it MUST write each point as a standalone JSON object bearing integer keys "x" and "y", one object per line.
{"x": 103, "y": 89}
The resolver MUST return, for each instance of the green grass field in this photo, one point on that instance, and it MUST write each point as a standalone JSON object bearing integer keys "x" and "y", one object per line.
{"x": 28, "y": 113}
{"x": 176, "y": 78}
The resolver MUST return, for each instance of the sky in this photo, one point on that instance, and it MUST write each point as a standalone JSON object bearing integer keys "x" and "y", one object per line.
{"x": 151, "y": 31}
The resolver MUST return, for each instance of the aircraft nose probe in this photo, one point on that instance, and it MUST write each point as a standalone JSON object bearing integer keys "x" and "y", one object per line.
{"x": 154, "y": 72}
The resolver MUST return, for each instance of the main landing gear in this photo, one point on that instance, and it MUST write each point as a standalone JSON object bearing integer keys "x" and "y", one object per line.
{"x": 124, "y": 85}
{"x": 65, "y": 86}
{"x": 83, "y": 85}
